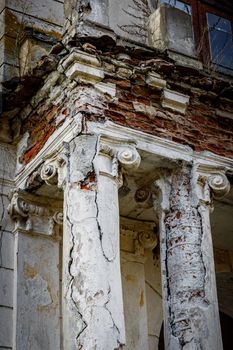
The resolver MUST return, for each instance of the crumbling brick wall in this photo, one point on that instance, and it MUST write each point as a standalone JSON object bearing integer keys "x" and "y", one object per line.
{"x": 205, "y": 126}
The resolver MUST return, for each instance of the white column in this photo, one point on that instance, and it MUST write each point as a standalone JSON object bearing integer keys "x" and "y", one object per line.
{"x": 191, "y": 317}
{"x": 92, "y": 293}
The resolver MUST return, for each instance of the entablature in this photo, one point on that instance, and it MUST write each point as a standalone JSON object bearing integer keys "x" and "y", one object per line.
{"x": 155, "y": 151}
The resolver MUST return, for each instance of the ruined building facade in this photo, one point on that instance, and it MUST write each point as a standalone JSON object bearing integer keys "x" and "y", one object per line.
{"x": 116, "y": 175}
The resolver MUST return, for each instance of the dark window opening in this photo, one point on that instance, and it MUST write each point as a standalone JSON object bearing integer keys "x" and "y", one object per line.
{"x": 221, "y": 40}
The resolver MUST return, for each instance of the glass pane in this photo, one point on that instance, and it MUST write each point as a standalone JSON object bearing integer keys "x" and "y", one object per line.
{"x": 221, "y": 40}
{"x": 179, "y": 5}
{"x": 218, "y": 23}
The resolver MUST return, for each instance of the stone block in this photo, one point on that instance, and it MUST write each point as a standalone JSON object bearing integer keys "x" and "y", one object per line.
{"x": 128, "y": 20}
{"x": 155, "y": 80}
{"x": 6, "y": 327}
{"x": 174, "y": 101}
{"x": 8, "y": 50}
{"x": 171, "y": 29}
{"x": 154, "y": 311}
{"x": 15, "y": 21}
{"x": 6, "y": 222}
{"x": 49, "y": 10}
{"x": 2, "y": 5}
{"x": 83, "y": 66}
{"x": 6, "y": 287}
{"x": 38, "y": 298}
{"x": 30, "y": 53}
{"x": 8, "y": 71}
{"x": 7, "y": 164}
{"x": 99, "y": 11}
{"x": 7, "y": 250}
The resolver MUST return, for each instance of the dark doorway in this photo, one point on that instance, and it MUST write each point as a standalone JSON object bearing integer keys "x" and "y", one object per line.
{"x": 227, "y": 328}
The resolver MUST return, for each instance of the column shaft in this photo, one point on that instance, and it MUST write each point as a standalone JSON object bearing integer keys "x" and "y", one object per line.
{"x": 189, "y": 289}
{"x": 92, "y": 294}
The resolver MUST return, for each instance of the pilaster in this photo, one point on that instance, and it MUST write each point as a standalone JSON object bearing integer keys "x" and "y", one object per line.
{"x": 136, "y": 238}
{"x": 36, "y": 298}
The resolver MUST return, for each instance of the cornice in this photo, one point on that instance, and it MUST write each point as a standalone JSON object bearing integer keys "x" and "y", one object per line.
{"x": 119, "y": 134}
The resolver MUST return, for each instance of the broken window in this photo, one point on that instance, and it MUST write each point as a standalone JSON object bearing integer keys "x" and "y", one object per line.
{"x": 220, "y": 40}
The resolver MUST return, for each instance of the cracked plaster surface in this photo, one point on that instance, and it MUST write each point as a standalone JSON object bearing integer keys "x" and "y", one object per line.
{"x": 92, "y": 274}
{"x": 190, "y": 305}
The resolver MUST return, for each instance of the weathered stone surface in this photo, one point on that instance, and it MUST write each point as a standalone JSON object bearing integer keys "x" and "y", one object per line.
{"x": 6, "y": 289}
{"x": 92, "y": 304}
{"x": 8, "y": 160}
{"x": 6, "y": 224}
{"x": 50, "y": 10}
{"x": 37, "y": 323}
{"x": 6, "y": 249}
{"x": 153, "y": 294}
{"x": 170, "y": 28}
{"x": 140, "y": 279}
{"x": 109, "y": 79}
{"x": 95, "y": 18}
{"x": 134, "y": 293}
{"x": 15, "y": 17}
{"x": 6, "y": 321}
{"x": 174, "y": 101}
{"x": 190, "y": 297}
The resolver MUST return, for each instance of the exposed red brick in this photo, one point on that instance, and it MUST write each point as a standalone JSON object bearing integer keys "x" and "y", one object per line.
{"x": 199, "y": 128}
{"x": 50, "y": 116}
{"x": 141, "y": 91}
{"x": 32, "y": 152}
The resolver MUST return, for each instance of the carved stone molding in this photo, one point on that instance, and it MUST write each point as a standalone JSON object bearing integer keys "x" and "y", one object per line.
{"x": 129, "y": 157}
{"x": 53, "y": 171}
{"x": 143, "y": 196}
{"x": 136, "y": 236}
{"x": 174, "y": 100}
{"x": 34, "y": 214}
{"x": 85, "y": 67}
{"x": 124, "y": 156}
{"x": 212, "y": 183}
{"x": 219, "y": 184}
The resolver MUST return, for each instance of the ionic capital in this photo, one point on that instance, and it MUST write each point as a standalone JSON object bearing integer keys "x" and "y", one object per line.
{"x": 219, "y": 184}
{"x": 123, "y": 156}
{"x": 212, "y": 183}
{"x": 54, "y": 171}
{"x": 35, "y": 215}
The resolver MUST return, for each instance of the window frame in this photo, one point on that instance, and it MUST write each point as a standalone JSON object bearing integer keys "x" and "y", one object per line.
{"x": 203, "y": 47}
{"x": 201, "y": 30}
